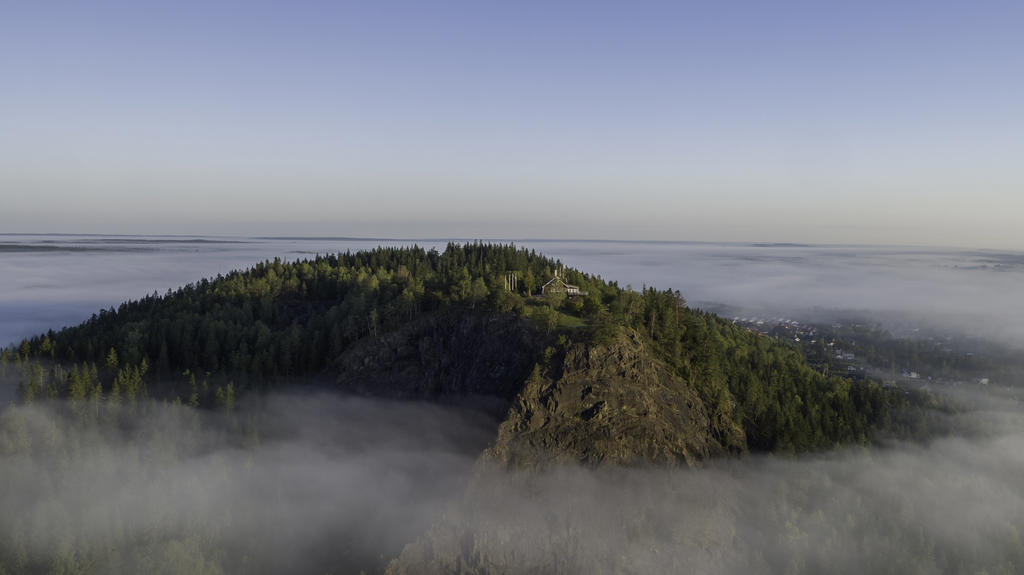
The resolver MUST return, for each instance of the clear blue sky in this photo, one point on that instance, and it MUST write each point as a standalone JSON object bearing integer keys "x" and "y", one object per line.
{"x": 875, "y": 122}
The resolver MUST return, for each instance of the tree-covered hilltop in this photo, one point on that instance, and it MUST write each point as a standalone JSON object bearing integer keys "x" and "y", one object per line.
{"x": 415, "y": 323}
{"x": 282, "y": 319}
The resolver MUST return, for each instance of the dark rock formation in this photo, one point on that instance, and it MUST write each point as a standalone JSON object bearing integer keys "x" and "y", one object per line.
{"x": 606, "y": 404}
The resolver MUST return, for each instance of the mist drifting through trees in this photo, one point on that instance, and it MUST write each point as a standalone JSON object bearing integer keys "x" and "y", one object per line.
{"x": 289, "y": 484}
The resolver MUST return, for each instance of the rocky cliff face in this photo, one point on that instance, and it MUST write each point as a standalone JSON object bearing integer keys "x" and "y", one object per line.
{"x": 608, "y": 404}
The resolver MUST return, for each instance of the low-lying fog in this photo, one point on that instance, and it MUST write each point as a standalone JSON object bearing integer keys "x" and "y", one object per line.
{"x": 953, "y": 506}
{"x": 335, "y": 485}
{"x": 290, "y": 484}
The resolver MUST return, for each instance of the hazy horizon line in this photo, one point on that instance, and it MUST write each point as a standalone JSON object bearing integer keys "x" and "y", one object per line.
{"x": 752, "y": 243}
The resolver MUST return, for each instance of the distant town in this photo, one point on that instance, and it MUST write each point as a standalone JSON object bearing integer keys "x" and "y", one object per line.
{"x": 862, "y": 351}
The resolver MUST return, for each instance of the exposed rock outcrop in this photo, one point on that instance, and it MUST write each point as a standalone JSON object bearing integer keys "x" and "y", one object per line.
{"x": 606, "y": 404}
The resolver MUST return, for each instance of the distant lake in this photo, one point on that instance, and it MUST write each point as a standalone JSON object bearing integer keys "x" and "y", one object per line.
{"x": 50, "y": 281}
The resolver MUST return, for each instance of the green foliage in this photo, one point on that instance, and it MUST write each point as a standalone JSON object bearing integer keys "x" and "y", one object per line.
{"x": 761, "y": 385}
{"x": 604, "y": 328}
{"x": 226, "y": 397}
{"x": 293, "y": 318}
{"x": 544, "y": 318}
{"x": 111, "y": 361}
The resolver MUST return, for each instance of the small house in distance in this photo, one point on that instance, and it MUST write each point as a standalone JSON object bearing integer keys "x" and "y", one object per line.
{"x": 559, "y": 285}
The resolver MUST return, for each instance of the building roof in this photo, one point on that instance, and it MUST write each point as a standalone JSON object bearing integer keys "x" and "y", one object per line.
{"x": 561, "y": 281}
{"x": 558, "y": 284}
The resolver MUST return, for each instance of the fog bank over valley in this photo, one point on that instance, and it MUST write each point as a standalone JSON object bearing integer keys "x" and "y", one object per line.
{"x": 324, "y": 483}
{"x": 297, "y": 483}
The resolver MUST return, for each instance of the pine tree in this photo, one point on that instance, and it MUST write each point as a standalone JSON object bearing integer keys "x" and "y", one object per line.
{"x": 111, "y": 361}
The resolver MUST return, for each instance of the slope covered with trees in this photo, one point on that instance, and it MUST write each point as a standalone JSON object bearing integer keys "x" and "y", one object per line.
{"x": 409, "y": 322}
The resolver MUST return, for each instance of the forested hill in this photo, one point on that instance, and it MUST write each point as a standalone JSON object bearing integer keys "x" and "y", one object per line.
{"x": 285, "y": 319}
{"x": 611, "y": 374}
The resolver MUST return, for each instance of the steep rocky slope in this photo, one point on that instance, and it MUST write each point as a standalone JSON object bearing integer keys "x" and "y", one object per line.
{"x": 614, "y": 404}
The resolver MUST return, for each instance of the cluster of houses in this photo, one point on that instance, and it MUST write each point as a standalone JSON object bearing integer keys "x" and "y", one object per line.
{"x": 845, "y": 355}
{"x": 779, "y": 327}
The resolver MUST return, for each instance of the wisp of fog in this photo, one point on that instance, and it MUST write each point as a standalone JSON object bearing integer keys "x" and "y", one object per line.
{"x": 331, "y": 484}
{"x": 289, "y": 484}
{"x": 954, "y": 505}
